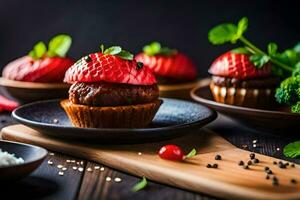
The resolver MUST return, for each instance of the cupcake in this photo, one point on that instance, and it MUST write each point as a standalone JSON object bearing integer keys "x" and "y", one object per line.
{"x": 41, "y": 64}
{"x": 176, "y": 73}
{"x": 236, "y": 81}
{"x": 110, "y": 89}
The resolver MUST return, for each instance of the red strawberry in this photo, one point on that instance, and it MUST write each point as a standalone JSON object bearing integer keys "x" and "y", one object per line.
{"x": 42, "y": 70}
{"x": 7, "y": 104}
{"x": 105, "y": 67}
{"x": 176, "y": 66}
{"x": 238, "y": 66}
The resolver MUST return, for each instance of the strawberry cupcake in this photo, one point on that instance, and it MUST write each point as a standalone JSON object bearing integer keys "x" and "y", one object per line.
{"x": 42, "y": 64}
{"x": 236, "y": 81}
{"x": 176, "y": 73}
{"x": 110, "y": 89}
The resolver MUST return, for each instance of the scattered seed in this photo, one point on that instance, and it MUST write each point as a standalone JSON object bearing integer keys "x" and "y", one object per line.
{"x": 102, "y": 169}
{"x": 139, "y": 153}
{"x": 97, "y": 167}
{"x": 55, "y": 121}
{"x": 64, "y": 168}
{"x": 292, "y": 165}
{"x": 108, "y": 179}
{"x": 75, "y": 168}
{"x": 50, "y": 162}
{"x": 274, "y": 163}
{"x": 293, "y": 181}
{"x": 252, "y": 155}
{"x": 61, "y": 173}
{"x": 256, "y": 160}
{"x": 267, "y": 177}
{"x": 246, "y": 167}
{"x": 241, "y": 163}
{"x": 68, "y": 161}
{"x": 59, "y": 166}
{"x": 51, "y": 154}
{"x": 117, "y": 179}
{"x": 249, "y": 162}
{"x": 89, "y": 169}
{"x": 218, "y": 157}
{"x": 267, "y": 168}
{"x": 215, "y": 165}
{"x": 80, "y": 169}
{"x": 208, "y": 166}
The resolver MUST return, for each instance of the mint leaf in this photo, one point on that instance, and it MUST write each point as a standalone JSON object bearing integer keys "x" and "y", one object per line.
{"x": 241, "y": 28}
{"x": 59, "y": 45}
{"x": 167, "y": 51}
{"x": 292, "y": 150}
{"x": 241, "y": 50}
{"x": 222, "y": 33}
{"x": 38, "y": 50}
{"x": 140, "y": 185}
{"x": 114, "y": 50}
{"x": 272, "y": 49}
{"x": 152, "y": 49}
{"x": 125, "y": 55}
{"x": 192, "y": 153}
{"x": 102, "y": 48}
{"x": 259, "y": 60}
{"x": 288, "y": 57}
{"x": 297, "y": 47}
{"x": 296, "y": 71}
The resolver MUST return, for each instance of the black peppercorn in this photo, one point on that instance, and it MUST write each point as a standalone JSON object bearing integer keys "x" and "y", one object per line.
{"x": 241, "y": 162}
{"x": 218, "y": 157}
{"x": 274, "y": 163}
{"x": 292, "y": 165}
{"x": 256, "y": 160}
{"x": 293, "y": 181}
{"x": 215, "y": 165}
{"x": 246, "y": 167}
{"x": 267, "y": 177}
{"x": 269, "y": 172}
{"x": 287, "y": 164}
{"x": 249, "y": 162}
{"x": 275, "y": 183}
{"x": 281, "y": 165}
{"x": 252, "y": 155}
{"x": 208, "y": 166}
{"x": 267, "y": 168}
{"x": 275, "y": 178}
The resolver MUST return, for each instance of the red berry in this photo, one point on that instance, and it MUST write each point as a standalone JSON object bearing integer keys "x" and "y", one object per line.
{"x": 7, "y": 104}
{"x": 177, "y": 66}
{"x": 239, "y": 66}
{"x": 171, "y": 152}
{"x": 42, "y": 70}
{"x": 109, "y": 68}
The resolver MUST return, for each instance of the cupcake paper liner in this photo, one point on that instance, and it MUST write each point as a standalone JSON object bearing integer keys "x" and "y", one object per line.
{"x": 132, "y": 116}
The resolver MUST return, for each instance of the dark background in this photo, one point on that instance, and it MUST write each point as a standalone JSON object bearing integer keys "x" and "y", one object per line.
{"x": 180, "y": 24}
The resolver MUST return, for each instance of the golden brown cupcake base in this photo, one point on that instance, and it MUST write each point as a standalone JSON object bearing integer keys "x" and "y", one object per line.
{"x": 132, "y": 116}
{"x": 246, "y": 97}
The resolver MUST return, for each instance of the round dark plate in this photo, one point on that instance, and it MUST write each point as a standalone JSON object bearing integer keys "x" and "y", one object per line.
{"x": 174, "y": 118}
{"x": 33, "y": 156}
{"x": 276, "y": 121}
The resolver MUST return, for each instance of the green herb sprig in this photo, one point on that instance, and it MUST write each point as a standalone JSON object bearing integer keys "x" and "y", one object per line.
{"x": 117, "y": 51}
{"x": 192, "y": 153}
{"x": 285, "y": 62}
{"x": 140, "y": 185}
{"x": 292, "y": 150}
{"x": 58, "y": 46}
{"x": 155, "y": 48}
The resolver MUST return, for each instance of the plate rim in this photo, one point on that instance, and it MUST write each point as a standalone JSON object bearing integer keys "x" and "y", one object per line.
{"x": 199, "y": 99}
{"x": 213, "y": 115}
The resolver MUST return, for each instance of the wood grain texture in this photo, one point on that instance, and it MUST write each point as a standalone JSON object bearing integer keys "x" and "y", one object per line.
{"x": 229, "y": 180}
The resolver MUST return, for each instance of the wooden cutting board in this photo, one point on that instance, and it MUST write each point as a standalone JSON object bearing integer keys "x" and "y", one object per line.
{"x": 229, "y": 181}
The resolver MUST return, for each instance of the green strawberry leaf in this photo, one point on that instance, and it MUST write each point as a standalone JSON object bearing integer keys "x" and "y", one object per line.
{"x": 292, "y": 150}
{"x": 59, "y": 45}
{"x": 114, "y": 50}
{"x": 192, "y": 153}
{"x": 222, "y": 34}
{"x": 140, "y": 185}
{"x": 272, "y": 49}
{"x": 155, "y": 48}
{"x": 241, "y": 28}
{"x": 38, "y": 51}
{"x": 241, "y": 50}
{"x": 125, "y": 55}
{"x": 259, "y": 60}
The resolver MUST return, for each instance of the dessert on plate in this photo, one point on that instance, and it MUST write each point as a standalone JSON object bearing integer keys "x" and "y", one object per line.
{"x": 236, "y": 81}
{"x": 42, "y": 64}
{"x": 176, "y": 73}
{"x": 110, "y": 89}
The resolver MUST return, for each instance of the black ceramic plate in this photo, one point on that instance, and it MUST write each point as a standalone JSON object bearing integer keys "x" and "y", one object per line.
{"x": 174, "y": 118}
{"x": 276, "y": 121}
{"x": 33, "y": 156}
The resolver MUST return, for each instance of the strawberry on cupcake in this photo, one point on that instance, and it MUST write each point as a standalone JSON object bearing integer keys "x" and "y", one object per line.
{"x": 168, "y": 65}
{"x": 237, "y": 81}
{"x": 42, "y": 64}
{"x": 110, "y": 89}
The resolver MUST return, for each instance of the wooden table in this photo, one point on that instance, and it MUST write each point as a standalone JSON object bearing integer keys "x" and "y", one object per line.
{"x": 45, "y": 183}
